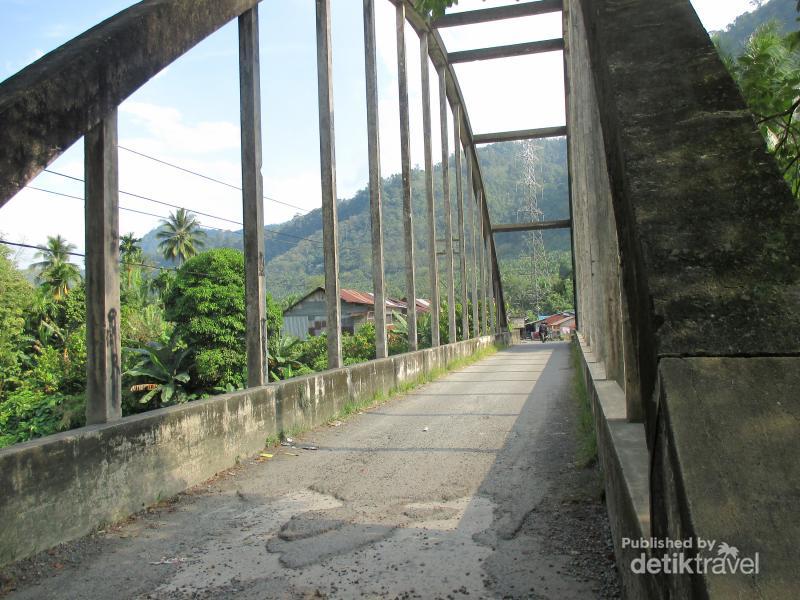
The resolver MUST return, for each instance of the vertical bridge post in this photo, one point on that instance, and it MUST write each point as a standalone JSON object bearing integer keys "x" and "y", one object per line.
{"x": 448, "y": 210}
{"x": 327, "y": 160}
{"x": 483, "y": 262}
{"x": 492, "y": 283}
{"x": 252, "y": 198}
{"x": 103, "y": 351}
{"x": 374, "y": 151}
{"x": 473, "y": 227}
{"x": 462, "y": 244}
{"x": 405, "y": 159}
{"x": 426, "y": 136}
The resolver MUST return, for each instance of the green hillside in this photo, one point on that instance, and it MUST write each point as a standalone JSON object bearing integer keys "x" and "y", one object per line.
{"x": 294, "y": 248}
{"x": 783, "y": 12}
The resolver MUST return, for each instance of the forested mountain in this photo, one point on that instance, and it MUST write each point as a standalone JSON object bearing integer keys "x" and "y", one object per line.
{"x": 294, "y": 248}
{"x": 783, "y": 12}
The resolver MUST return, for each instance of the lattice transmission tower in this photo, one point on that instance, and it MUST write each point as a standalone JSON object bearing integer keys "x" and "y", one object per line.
{"x": 533, "y": 188}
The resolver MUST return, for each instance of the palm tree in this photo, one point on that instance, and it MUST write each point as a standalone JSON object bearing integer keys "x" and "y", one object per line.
{"x": 180, "y": 236}
{"x": 129, "y": 246}
{"x": 130, "y": 253}
{"x": 56, "y": 272}
{"x": 57, "y": 250}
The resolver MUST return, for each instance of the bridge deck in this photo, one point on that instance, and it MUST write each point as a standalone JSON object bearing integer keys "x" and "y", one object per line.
{"x": 464, "y": 486}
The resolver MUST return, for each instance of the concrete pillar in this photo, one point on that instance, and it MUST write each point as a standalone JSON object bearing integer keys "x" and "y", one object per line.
{"x": 462, "y": 244}
{"x": 473, "y": 229}
{"x": 405, "y": 160}
{"x": 491, "y": 282}
{"x": 567, "y": 83}
{"x": 374, "y": 151}
{"x": 483, "y": 264}
{"x": 448, "y": 211}
{"x": 426, "y": 135}
{"x": 252, "y": 198}
{"x": 103, "y": 351}
{"x": 330, "y": 238}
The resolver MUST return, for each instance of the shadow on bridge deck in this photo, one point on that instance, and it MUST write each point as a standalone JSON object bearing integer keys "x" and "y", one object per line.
{"x": 465, "y": 486}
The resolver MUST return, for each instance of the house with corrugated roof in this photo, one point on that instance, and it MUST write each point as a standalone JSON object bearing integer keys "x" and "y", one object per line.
{"x": 308, "y": 316}
{"x": 561, "y": 323}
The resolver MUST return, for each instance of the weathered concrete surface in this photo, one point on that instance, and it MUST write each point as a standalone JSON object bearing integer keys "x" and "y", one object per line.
{"x": 60, "y": 487}
{"x": 623, "y": 456}
{"x": 726, "y": 468}
{"x": 709, "y": 240}
{"x": 709, "y": 234}
{"x": 465, "y": 486}
{"x": 48, "y": 106}
{"x": 596, "y": 248}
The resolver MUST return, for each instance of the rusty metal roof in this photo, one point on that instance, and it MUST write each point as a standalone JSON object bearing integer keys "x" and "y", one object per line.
{"x": 368, "y": 298}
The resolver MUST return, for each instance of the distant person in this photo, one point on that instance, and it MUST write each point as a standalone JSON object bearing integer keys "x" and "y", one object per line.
{"x": 543, "y": 332}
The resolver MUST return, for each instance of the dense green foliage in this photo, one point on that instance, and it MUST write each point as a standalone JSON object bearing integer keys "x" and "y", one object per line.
{"x": 768, "y": 73}
{"x": 206, "y": 303}
{"x": 433, "y": 8}
{"x": 554, "y": 285}
{"x": 42, "y": 348}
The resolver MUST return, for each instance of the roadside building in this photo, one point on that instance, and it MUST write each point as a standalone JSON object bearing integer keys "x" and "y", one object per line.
{"x": 308, "y": 316}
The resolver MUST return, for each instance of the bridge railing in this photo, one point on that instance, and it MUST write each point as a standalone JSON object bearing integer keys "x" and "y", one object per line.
{"x": 75, "y": 91}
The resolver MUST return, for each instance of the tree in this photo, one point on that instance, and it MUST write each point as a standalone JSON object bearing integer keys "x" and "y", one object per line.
{"x": 56, "y": 273}
{"x": 15, "y": 300}
{"x": 768, "y": 73}
{"x": 181, "y": 236}
{"x": 433, "y": 8}
{"x": 206, "y": 303}
{"x": 129, "y": 246}
{"x": 131, "y": 254}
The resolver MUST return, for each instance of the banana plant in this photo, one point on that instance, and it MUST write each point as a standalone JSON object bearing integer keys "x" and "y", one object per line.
{"x": 163, "y": 366}
{"x": 282, "y": 354}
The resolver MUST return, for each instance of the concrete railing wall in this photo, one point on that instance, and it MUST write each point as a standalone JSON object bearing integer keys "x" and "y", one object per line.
{"x": 63, "y": 486}
{"x": 597, "y": 265}
{"x": 708, "y": 315}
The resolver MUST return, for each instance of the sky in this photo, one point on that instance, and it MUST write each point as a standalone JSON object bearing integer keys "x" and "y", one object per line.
{"x": 188, "y": 115}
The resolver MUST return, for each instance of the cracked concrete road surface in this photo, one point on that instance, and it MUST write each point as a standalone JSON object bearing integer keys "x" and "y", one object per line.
{"x": 466, "y": 486}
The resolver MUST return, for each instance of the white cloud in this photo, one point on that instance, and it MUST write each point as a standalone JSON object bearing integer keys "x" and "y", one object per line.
{"x": 166, "y": 128}
{"x": 717, "y": 14}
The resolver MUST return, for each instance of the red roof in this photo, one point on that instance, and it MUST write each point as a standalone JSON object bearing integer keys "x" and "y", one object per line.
{"x": 553, "y": 319}
{"x": 564, "y": 322}
{"x": 356, "y": 297}
{"x": 368, "y": 298}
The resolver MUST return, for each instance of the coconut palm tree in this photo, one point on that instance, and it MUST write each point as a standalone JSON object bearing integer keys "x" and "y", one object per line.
{"x": 57, "y": 250}
{"x": 180, "y": 236}
{"x": 56, "y": 273}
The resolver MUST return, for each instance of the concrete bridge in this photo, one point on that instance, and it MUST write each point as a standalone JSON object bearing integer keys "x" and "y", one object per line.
{"x": 685, "y": 244}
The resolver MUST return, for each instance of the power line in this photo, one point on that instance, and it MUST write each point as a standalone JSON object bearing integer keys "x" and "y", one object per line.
{"x": 32, "y": 247}
{"x": 122, "y": 262}
{"x": 219, "y": 181}
{"x": 133, "y": 210}
{"x": 139, "y": 196}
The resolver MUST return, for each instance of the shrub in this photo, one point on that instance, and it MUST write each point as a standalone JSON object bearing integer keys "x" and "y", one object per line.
{"x": 28, "y": 414}
{"x": 206, "y": 302}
